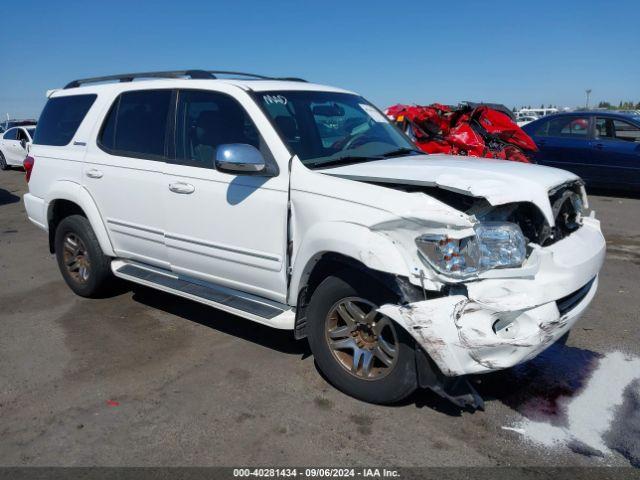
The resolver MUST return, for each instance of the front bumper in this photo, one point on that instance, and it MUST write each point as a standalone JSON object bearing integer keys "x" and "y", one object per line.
{"x": 505, "y": 321}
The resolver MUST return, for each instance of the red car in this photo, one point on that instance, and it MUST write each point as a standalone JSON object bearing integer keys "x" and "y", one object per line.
{"x": 478, "y": 131}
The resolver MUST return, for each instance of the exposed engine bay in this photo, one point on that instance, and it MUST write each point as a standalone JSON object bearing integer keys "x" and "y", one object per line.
{"x": 566, "y": 201}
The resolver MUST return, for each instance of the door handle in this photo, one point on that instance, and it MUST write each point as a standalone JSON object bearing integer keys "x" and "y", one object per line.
{"x": 599, "y": 146}
{"x": 181, "y": 187}
{"x": 93, "y": 173}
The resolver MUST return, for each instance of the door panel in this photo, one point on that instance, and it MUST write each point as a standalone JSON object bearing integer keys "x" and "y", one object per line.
{"x": 124, "y": 172}
{"x": 220, "y": 227}
{"x": 20, "y": 145}
{"x": 14, "y": 151}
{"x": 128, "y": 193}
{"x": 616, "y": 149}
{"x": 230, "y": 230}
{"x": 564, "y": 143}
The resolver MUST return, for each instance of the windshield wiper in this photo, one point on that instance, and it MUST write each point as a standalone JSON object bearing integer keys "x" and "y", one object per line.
{"x": 362, "y": 158}
{"x": 344, "y": 160}
{"x": 401, "y": 151}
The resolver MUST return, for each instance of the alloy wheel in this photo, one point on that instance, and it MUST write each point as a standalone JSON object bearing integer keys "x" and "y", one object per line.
{"x": 76, "y": 258}
{"x": 362, "y": 340}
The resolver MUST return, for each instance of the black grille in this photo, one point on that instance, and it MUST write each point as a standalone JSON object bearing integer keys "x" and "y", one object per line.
{"x": 566, "y": 304}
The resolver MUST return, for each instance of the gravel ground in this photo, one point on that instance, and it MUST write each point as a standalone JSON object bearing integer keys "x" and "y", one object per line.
{"x": 143, "y": 378}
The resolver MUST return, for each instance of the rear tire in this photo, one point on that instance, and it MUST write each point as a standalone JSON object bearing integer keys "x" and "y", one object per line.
{"x": 85, "y": 268}
{"x": 391, "y": 373}
{"x": 3, "y": 162}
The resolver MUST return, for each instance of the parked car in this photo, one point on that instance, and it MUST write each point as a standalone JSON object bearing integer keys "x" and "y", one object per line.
{"x": 300, "y": 206}
{"x": 603, "y": 148}
{"x": 523, "y": 120}
{"x": 14, "y": 146}
{"x": 537, "y": 112}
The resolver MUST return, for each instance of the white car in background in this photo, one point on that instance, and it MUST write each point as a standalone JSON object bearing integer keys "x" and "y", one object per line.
{"x": 524, "y": 119}
{"x": 14, "y": 145}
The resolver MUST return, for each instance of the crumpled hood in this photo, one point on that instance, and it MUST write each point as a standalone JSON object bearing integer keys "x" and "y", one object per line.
{"x": 498, "y": 181}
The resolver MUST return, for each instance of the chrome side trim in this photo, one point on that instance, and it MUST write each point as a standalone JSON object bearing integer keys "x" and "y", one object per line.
{"x": 120, "y": 223}
{"x": 226, "y": 248}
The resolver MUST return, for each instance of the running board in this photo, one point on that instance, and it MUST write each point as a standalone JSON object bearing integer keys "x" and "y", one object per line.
{"x": 239, "y": 303}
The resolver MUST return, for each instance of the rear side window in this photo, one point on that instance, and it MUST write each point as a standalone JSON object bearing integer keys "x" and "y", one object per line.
{"x": 136, "y": 125}
{"x": 22, "y": 135}
{"x": 626, "y": 131}
{"x": 11, "y": 134}
{"x": 569, "y": 126}
{"x": 61, "y": 118}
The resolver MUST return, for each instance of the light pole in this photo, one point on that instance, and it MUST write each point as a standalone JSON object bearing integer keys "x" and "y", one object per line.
{"x": 588, "y": 92}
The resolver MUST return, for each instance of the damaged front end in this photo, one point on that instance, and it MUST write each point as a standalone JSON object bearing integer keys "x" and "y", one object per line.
{"x": 502, "y": 255}
{"x": 493, "y": 312}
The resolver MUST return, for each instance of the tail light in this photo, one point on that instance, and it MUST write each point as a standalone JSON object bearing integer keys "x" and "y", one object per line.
{"x": 28, "y": 166}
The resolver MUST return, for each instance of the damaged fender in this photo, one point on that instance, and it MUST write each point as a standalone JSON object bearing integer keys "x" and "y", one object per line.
{"x": 351, "y": 240}
{"x": 387, "y": 246}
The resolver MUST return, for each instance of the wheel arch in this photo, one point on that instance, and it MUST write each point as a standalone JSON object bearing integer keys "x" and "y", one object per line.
{"x": 348, "y": 241}
{"x": 336, "y": 246}
{"x": 69, "y": 198}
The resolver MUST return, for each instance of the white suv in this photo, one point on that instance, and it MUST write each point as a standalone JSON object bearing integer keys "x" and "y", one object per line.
{"x": 299, "y": 206}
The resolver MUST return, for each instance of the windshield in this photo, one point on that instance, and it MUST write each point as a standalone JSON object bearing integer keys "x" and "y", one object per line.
{"x": 326, "y": 128}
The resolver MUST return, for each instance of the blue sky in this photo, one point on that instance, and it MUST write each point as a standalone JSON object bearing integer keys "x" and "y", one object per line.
{"x": 512, "y": 52}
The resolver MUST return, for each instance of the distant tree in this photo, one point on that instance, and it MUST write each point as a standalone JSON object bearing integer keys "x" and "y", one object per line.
{"x": 620, "y": 105}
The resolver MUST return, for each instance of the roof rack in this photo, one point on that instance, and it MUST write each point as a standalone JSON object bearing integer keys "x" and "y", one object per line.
{"x": 192, "y": 74}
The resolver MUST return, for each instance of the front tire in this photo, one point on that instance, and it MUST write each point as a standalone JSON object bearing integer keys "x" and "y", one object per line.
{"x": 84, "y": 267}
{"x": 3, "y": 162}
{"x": 361, "y": 352}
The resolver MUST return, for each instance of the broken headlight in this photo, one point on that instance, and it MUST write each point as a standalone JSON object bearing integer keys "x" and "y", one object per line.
{"x": 494, "y": 245}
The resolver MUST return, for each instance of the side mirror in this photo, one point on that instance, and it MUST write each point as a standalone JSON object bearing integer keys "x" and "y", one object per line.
{"x": 239, "y": 158}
